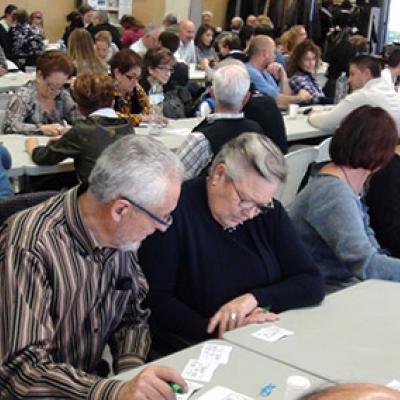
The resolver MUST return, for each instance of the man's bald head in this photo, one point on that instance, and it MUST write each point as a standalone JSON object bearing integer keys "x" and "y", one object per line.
{"x": 187, "y": 30}
{"x": 260, "y": 43}
{"x": 354, "y": 391}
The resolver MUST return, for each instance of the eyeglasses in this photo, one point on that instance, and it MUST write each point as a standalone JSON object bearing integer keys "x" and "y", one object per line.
{"x": 249, "y": 204}
{"x": 165, "y": 68}
{"x": 53, "y": 88}
{"x": 167, "y": 222}
{"x": 133, "y": 77}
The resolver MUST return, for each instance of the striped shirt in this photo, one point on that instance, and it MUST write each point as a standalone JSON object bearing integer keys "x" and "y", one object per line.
{"x": 62, "y": 299}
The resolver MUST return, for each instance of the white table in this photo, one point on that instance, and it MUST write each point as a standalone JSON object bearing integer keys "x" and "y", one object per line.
{"x": 246, "y": 372}
{"x": 172, "y": 136}
{"x": 299, "y": 128}
{"x": 195, "y": 74}
{"x": 22, "y": 163}
{"x": 13, "y": 80}
{"x": 353, "y": 336}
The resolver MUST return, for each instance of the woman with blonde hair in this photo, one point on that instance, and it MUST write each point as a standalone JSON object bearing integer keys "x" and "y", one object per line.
{"x": 82, "y": 53}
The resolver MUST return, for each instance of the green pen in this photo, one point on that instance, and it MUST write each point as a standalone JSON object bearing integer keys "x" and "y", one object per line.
{"x": 266, "y": 309}
{"x": 176, "y": 388}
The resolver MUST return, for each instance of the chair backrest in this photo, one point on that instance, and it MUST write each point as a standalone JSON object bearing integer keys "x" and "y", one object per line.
{"x": 323, "y": 151}
{"x": 4, "y": 99}
{"x": 19, "y": 202}
{"x": 297, "y": 165}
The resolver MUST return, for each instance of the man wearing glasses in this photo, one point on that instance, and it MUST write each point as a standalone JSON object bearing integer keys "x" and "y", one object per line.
{"x": 71, "y": 282}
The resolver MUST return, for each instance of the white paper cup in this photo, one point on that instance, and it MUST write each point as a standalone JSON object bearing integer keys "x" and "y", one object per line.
{"x": 293, "y": 110}
{"x": 296, "y": 386}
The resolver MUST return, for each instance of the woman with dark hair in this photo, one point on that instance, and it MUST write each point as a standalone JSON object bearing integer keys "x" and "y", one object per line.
{"x": 205, "y": 53}
{"x": 132, "y": 31}
{"x": 74, "y": 21}
{"x": 303, "y": 63}
{"x": 42, "y": 105}
{"x": 26, "y": 42}
{"x": 130, "y": 99}
{"x": 84, "y": 142}
{"x": 328, "y": 212}
{"x": 7, "y": 21}
{"x": 158, "y": 66}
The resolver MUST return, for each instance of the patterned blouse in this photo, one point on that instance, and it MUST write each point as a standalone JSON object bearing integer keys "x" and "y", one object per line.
{"x": 24, "y": 113}
{"x": 26, "y": 44}
{"x": 132, "y": 106}
{"x": 304, "y": 80}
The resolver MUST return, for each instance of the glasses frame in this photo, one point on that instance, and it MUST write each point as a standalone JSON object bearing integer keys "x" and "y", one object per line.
{"x": 262, "y": 208}
{"x": 164, "y": 222}
{"x": 165, "y": 68}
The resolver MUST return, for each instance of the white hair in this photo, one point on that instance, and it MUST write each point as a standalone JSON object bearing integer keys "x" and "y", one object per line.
{"x": 251, "y": 151}
{"x": 231, "y": 83}
{"x": 137, "y": 167}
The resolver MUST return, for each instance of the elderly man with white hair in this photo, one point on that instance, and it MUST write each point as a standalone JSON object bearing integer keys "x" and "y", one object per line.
{"x": 187, "y": 50}
{"x": 230, "y": 86}
{"x": 148, "y": 41}
{"x": 71, "y": 281}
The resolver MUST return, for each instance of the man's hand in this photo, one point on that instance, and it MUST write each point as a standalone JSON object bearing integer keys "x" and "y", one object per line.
{"x": 276, "y": 70}
{"x": 303, "y": 96}
{"x": 152, "y": 384}
{"x": 232, "y": 314}
{"x": 2, "y": 71}
{"x": 52, "y": 129}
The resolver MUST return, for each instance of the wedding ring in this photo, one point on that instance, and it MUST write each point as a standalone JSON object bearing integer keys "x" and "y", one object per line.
{"x": 233, "y": 316}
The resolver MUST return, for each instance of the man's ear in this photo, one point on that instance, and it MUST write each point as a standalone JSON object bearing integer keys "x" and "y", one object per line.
{"x": 118, "y": 209}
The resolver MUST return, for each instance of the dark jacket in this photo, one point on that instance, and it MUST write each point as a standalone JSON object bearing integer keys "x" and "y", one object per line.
{"x": 84, "y": 143}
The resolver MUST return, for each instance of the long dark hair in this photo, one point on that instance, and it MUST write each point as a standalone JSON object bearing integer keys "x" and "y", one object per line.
{"x": 203, "y": 29}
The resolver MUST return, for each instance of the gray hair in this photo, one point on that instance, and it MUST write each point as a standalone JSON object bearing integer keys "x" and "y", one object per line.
{"x": 171, "y": 18}
{"x": 231, "y": 83}
{"x": 137, "y": 167}
{"x": 150, "y": 28}
{"x": 251, "y": 151}
{"x": 102, "y": 15}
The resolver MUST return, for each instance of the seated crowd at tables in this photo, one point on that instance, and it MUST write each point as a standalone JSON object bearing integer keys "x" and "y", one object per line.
{"x": 154, "y": 249}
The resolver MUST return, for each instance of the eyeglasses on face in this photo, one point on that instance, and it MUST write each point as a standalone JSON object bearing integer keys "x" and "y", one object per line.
{"x": 167, "y": 222}
{"x": 132, "y": 77}
{"x": 249, "y": 204}
{"x": 52, "y": 87}
{"x": 165, "y": 68}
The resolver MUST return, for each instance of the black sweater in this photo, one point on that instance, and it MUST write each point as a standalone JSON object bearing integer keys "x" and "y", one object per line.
{"x": 383, "y": 200}
{"x": 197, "y": 266}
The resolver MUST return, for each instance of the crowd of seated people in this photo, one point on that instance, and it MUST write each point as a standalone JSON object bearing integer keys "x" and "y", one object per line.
{"x": 189, "y": 244}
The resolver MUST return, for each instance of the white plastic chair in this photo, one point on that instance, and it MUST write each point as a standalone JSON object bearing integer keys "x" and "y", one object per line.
{"x": 4, "y": 99}
{"x": 297, "y": 164}
{"x": 323, "y": 151}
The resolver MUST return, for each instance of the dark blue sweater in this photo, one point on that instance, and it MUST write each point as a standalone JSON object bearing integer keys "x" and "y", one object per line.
{"x": 197, "y": 266}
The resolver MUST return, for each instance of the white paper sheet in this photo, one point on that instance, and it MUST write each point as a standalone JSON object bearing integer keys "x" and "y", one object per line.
{"x": 272, "y": 333}
{"x": 223, "y": 393}
{"x": 215, "y": 353}
{"x": 199, "y": 371}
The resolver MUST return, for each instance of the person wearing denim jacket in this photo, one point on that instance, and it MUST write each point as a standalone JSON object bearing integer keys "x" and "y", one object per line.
{"x": 6, "y": 189}
{"x": 329, "y": 214}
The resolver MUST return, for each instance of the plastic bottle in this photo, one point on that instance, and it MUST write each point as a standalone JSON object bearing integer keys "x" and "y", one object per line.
{"x": 341, "y": 87}
{"x": 156, "y": 98}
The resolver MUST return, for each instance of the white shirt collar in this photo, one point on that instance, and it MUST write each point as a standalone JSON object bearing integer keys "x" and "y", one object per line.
{"x": 104, "y": 112}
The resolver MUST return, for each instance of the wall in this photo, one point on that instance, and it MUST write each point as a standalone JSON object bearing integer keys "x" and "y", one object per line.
{"x": 218, "y": 8}
{"x": 54, "y": 13}
{"x": 148, "y": 11}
